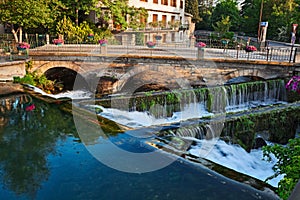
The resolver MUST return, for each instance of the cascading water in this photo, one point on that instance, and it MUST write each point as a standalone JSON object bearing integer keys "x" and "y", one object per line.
{"x": 172, "y": 107}
{"x": 253, "y": 94}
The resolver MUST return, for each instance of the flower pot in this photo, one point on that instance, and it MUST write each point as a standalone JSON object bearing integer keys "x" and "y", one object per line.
{"x": 58, "y": 44}
{"x": 102, "y": 45}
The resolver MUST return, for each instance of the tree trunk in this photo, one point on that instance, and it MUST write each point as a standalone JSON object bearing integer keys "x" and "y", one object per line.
{"x": 15, "y": 35}
{"x": 21, "y": 33}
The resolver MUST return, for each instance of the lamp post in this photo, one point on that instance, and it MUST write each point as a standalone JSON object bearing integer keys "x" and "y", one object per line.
{"x": 260, "y": 18}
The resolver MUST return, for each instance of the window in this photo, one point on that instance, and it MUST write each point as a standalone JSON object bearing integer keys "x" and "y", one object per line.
{"x": 164, "y": 20}
{"x": 143, "y": 20}
{"x": 181, "y": 4}
{"x": 155, "y": 1}
{"x": 164, "y": 2}
{"x": 172, "y": 19}
{"x": 174, "y": 3}
{"x": 154, "y": 18}
{"x": 144, "y": 0}
{"x": 173, "y": 37}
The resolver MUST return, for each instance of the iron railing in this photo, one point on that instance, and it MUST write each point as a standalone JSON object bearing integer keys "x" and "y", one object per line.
{"x": 185, "y": 49}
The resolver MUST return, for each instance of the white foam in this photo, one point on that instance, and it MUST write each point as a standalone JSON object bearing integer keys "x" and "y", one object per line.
{"x": 78, "y": 94}
{"x": 136, "y": 119}
{"x": 236, "y": 158}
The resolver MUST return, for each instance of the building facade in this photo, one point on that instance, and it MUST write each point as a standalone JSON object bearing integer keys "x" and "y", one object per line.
{"x": 167, "y": 19}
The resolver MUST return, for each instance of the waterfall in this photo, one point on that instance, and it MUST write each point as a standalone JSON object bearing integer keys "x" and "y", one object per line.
{"x": 248, "y": 95}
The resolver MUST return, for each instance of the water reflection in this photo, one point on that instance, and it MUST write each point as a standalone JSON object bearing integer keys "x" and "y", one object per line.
{"x": 41, "y": 157}
{"x": 24, "y": 146}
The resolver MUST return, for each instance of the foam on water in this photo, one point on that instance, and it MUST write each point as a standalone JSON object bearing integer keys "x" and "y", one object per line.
{"x": 236, "y": 158}
{"x": 136, "y": 119}
{"x": 77, "y": 94}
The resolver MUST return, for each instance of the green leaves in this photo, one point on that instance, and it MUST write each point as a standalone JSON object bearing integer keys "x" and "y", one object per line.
{"x": 288, "y": 164}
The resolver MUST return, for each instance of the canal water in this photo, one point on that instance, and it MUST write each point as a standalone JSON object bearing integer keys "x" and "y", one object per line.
{"x": 43, "y": 157}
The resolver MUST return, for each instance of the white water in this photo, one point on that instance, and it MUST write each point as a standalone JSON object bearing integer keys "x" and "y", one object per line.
{"x": 236, "y": 158}
{"x": 136, "y": 119}
{"x": 231, "y": 156}
{"x": 78, "y": 94}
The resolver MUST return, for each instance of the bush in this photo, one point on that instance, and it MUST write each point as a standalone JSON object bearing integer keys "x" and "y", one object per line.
{"x": 288, "y": 164}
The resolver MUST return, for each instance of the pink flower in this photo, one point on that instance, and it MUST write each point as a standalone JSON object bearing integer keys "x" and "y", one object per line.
{"x": 24, "y": 45}
{"x": 250, "y": 48}
{"x": 102, "y": 41}
{"x": 293, "y": 84}
{"x": 150, "y": 44}
{"x": 200, "y": 44}
{"x": 29, "y": 108}
{"x": 58, "y": 41}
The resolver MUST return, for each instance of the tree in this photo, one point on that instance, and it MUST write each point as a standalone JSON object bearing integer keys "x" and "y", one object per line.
{"x": 122, "y": 14}
{"x": 223, "y": 26}
{"x": 280, "y": 14}
{"x": 205, "y": 11}
{"x": 288, "y": 164}
{"x": 227, "y": 8}
{"x": 73, "y": 7}
{"x": 250, "y": 16}
{"x": 191, "y": 7}
{"x": 19, "y": 14}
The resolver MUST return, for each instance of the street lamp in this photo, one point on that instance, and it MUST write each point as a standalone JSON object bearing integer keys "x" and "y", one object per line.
{"x": 260, "y": 18}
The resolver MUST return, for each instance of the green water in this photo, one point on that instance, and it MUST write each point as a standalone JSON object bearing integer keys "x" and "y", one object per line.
{"x": 42, "y": 157}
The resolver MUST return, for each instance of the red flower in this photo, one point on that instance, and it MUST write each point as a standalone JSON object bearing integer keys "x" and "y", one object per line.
{"x": 31, "y": 107}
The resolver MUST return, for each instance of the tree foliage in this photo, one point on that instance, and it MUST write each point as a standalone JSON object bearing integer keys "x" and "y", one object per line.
{"x": 288, "y": 164}
{"x": 280, "y": 14}
{"x": 27, "y": 14}
{"x": 227, "y": 8}
{"x": 191, "y": 7}
{"x": 223, "y": 25}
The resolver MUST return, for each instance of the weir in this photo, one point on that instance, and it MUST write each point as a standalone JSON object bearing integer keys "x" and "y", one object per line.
{"x": 236, "y": 113}
{"x": 219, "y": 99}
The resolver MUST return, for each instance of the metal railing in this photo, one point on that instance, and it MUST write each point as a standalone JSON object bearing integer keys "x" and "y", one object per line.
{"x": 185, "y": 49}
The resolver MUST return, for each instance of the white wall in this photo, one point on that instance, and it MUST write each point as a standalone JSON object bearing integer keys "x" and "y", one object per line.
{"x": 160, "y": 9}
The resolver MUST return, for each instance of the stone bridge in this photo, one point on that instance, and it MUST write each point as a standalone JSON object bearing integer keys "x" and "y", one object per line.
{"x": 110, "y": 74}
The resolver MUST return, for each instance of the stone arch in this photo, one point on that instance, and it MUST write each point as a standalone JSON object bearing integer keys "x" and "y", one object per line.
{"x": 43, "y": 66}
{"x": 259, "y": 73}
{"x": 158, "y": 76}
{"x": 66, "y": 77}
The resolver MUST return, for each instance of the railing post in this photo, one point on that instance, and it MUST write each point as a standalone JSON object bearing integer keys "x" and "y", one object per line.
{"x": 295, "y": 53}
{"x": 237, "y": 51}
{"x": 291, "y": 53}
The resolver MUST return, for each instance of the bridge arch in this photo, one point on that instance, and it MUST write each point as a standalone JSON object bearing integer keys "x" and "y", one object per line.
{"x": 42, "y": 66}
{"x": 257, "y": 73}
{"x": 145, "y": 77}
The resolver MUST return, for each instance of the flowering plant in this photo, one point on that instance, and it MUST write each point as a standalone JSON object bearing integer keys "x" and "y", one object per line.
{"x": 150, "y": 44}
{"x": 250, "y": 48}
{"x": 30, "y": 107}
{"x": 58, "y": 41}
{"x": 200, "y": 45}
{"x": 23, "y": 45}
{"x": 90, "y": 36}
{"x": 293, "y": 84}
{"x": 102, "y": 41}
